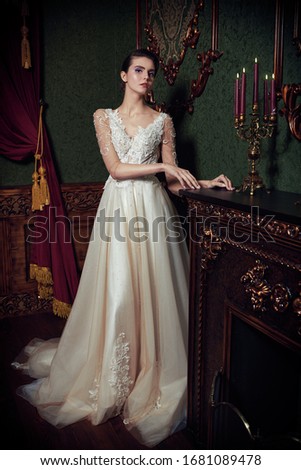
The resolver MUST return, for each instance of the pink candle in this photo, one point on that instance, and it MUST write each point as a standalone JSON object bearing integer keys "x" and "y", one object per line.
{"x": 255, "y": 83}
{"x": 236, "y": 96}
{"x": 265, "y": 97}
{"x": 243, "y": 92}
{"x": 273, "y": 95}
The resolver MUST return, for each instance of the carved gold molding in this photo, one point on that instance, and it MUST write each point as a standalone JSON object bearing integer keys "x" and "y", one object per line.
{"x": 255, "y": 285}
{"x": 273, "y": 228}
{"x": 261, "y": 292}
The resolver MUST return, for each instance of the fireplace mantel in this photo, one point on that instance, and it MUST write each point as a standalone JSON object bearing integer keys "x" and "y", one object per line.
{"x": 245, "y": 271}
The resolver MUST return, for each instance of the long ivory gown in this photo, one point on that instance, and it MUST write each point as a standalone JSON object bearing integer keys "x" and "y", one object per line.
{"x": 123, "y": 350}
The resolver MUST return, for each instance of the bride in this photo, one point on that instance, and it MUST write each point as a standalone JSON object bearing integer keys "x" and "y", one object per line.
{"x": 123, "y": 350}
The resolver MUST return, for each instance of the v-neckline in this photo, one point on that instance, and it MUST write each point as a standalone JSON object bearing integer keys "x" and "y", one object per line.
{"x": 139, "y": 128}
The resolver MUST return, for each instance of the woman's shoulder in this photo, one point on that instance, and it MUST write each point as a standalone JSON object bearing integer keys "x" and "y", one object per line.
{"x": 100, "y": 112}
{"x": 160, "y": 114}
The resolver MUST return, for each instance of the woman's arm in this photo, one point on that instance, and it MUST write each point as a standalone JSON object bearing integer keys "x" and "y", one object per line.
{"x": 169, "y": 157}
{"x": 123, "y": 171}
{"x": 174, "y": 175}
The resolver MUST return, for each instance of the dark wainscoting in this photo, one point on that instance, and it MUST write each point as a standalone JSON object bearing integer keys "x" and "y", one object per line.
{"x": 18, "y": 293}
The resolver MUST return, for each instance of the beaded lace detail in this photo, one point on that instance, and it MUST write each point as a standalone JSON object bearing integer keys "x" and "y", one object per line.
{"x": 144, "y": 147}
{"x": 120, "y": 379}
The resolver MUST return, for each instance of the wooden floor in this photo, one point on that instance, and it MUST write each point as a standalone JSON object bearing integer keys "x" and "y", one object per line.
{"x": 22, "y": 428}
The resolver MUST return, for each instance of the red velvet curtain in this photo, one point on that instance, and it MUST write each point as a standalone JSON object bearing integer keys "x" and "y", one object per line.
{"x": 53, "y": 261}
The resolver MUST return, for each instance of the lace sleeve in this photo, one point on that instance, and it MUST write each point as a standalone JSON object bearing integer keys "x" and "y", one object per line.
{"x": 168, "y": 142}
{"x": 103, "y": 131}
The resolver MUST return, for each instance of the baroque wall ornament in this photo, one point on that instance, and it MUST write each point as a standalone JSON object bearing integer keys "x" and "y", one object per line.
{"x": 172, "y": 28}
{"x": 290, "y": 92}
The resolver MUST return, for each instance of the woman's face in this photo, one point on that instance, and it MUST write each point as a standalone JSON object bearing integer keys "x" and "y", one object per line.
{"x": 140, "y": 75}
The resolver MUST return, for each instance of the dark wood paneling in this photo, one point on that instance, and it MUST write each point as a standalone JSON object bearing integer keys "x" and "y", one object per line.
{"x": 18, "y": 294}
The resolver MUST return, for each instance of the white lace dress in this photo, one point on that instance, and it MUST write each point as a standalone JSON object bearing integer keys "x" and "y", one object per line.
{"x": 124, "y": 347}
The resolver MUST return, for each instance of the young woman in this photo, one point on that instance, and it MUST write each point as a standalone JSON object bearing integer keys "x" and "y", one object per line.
{"x": 124, "y": 347}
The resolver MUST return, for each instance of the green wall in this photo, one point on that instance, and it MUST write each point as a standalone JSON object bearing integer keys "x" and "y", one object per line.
{"x": 84, "y": 44}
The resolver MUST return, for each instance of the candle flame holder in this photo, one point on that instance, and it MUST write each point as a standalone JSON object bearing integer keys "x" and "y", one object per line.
{"x": 253, "y": 135}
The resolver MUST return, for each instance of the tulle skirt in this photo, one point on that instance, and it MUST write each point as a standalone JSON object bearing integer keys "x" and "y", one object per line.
{"x": 123, "y": 350}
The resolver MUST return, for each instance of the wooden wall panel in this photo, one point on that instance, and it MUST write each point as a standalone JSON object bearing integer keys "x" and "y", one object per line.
{"x": 18, "y": 293}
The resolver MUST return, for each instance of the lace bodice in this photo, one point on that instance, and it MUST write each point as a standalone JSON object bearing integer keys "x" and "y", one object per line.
{"x": 144, "y": 146}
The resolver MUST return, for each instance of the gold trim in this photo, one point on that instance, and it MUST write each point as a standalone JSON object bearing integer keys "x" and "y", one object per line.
{"x": 43, "y": 277}
{"x": 61, "y": 309}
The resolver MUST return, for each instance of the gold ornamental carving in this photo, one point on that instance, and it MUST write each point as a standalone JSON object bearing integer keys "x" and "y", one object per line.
{"x": 211, "y": 246}
{"x": 270, "y": 227}
{"x": 260, "y": 291}
{"x": 256, "y": 286}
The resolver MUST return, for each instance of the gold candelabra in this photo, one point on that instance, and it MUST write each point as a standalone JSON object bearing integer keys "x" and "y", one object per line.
{"x": 253, "y": 135}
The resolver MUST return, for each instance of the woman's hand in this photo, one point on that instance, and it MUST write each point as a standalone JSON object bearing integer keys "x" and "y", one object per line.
{"x": 185, "y": 178}
{"x": 220, "y": 181}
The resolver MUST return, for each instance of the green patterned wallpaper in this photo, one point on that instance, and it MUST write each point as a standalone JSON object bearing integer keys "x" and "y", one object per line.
{"x": 84, "y": 44}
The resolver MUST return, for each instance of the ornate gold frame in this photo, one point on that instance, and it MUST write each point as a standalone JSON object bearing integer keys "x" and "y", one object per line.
{"x": 172, "y": 67}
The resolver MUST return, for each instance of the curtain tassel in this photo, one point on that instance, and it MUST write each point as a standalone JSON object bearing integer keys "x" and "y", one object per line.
{"x": 44, "y": 190}
{"x": 40, "y": 188}
{"x": 35, "y": 192}
{"x": 25, "y": 47}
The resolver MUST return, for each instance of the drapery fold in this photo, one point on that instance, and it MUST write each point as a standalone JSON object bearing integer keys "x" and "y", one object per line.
{"x": 52, "y": 255}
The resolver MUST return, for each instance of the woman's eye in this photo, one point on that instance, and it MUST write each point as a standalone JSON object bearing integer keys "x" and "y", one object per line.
{"x": 138, "y": 70}
{"x": 151, "y": 74}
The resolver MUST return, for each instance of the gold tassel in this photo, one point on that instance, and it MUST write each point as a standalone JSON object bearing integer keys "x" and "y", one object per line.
{"x": 35, "y": 192}
{"x": 40, "y": 189}
{"x": 44, "y": 190}
{"x": 25, "y": 48}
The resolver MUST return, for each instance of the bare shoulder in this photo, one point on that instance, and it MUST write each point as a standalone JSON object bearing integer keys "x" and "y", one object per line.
{"x": 100, "y": 112}
{"x": 155, "y": 114}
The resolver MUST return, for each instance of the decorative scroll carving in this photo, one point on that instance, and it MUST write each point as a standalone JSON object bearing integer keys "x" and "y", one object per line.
{"x": 280, "y": 297}
{"x": 256, "y": 285}
{"x": 163, "y": 44}
{"x": 251, "y": 221}
{"x": 17, "y": 204}
{"x": 210, "y": 245}
{"x": 18, "y": 304}
{"x": 291, "y": 109}
{"x": 261, "y": 292}
{"x": 82, "y": 200}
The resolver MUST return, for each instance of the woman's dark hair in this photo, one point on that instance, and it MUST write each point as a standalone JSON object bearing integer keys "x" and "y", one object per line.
{"x": 140, "y": 53}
